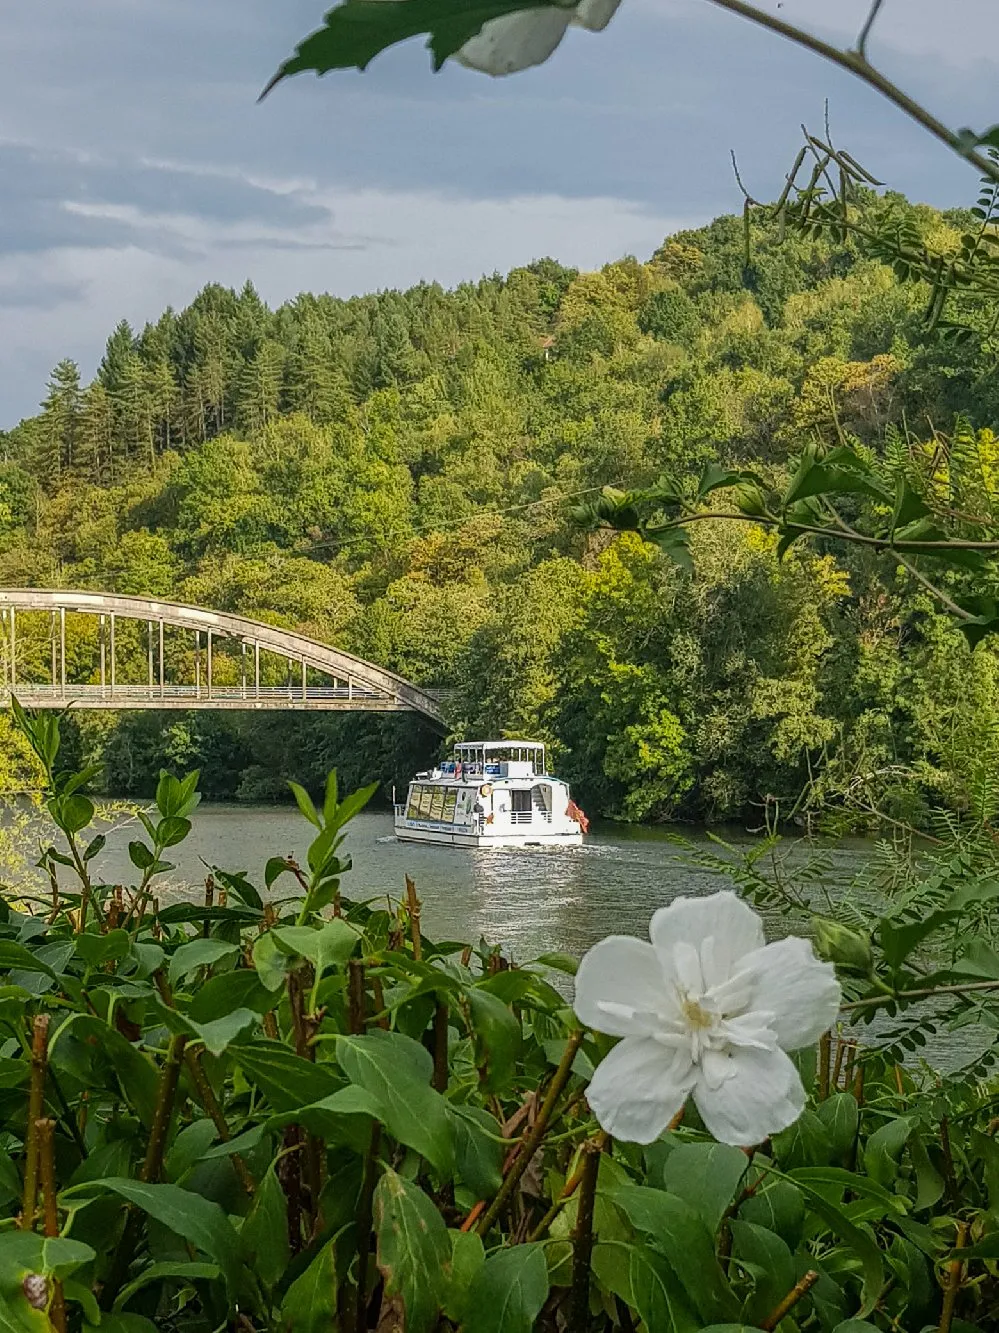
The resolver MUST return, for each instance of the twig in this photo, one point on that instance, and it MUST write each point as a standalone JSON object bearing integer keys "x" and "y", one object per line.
{"x": 210, "y": 1102}
{"x": 801, "y": 1288}
{"x": 46, "y": 1156}
{"x": 36, "y": 1099}
{"x": 865, "y": 32}
{"x": 569, "y": 1189}
{"x": 955, "y": 1280}
{"x": 858, "y": 64}
{"x": 582, "y": 1239}
{"x": 961, "y": 988}
{"x": 533, "y": 1140}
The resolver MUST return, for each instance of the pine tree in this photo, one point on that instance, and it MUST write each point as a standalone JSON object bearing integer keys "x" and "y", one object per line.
{"x": 57, "y": 436}
{"x": 95, "y": 437}
{"x": 260, "y": 387}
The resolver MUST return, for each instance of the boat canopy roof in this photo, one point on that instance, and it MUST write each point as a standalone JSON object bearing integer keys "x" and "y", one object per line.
{"x": 482, "y": 752}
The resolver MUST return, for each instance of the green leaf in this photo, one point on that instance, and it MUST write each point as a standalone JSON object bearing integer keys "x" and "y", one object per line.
{"x": 287, "y": 1080}
{"x": 270, "y": 962}
{"x": 884, "y": 1148}
{"x": 265, "y": 1232}
{"x": 658, "y": 1294}
{"x": 841, "y": 1116}
{"x": 507, "y": 1293}
{"x": 216, "y": 1035}
{"x": 413, "y": 1250}
{"x": 94, "y": 847}
{"x": 309, "y": 1305}
{"x": 182, "y": 1271}
{"x": 929, "y": 1181}
{"x": 396, "y": 1071}
{"x": 197, "y": 1221}
{"x": 805, "y": 1143}
{"x": 330, "y": 797}
{"x": 221, "y": 995}
{"x": 780, "y": 1207}
{"x": 707, "y": 1176}
{"x": 71, "y": 813}
{"x": 276, "y": 865}
{"x": 677, "y": 1229}
{"x": 172, "y": 830}
{"x": 478, "y": 1155}
{"x": 329, "y": 946}
{"x": 497, "y": 1038}
{"x": 765, "y": 1257}
{"x": 168, "y": 794}
{"x": 467, "y": 1257}
{"x": 15, "y": 956}
{"x": 858, "y": 1239}
{"x": 304, "y": 802}
{"x": 198, "y": 953}
{"x": 140, "y": 855}
{"x": 354, "y": 803}
{"x": 96, "y": 950}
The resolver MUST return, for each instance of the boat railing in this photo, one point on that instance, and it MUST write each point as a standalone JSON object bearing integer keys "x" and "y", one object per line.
{"x": 528, "y": 816}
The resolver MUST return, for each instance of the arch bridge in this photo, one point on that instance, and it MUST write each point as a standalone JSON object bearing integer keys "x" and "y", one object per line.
{"x": 316, "y": 676}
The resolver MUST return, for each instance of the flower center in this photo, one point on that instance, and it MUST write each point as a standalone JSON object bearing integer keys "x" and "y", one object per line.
{"x": 696, "y": 1015}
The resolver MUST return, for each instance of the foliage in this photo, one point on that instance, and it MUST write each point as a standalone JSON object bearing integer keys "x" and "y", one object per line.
{"x": 294, "y": 1116}
{"x": 408, "y": 496}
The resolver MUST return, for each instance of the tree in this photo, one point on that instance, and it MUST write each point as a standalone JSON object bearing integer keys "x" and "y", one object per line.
{"x": 56, "y": 441}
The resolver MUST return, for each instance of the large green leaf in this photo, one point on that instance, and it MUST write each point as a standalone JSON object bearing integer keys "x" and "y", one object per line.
{"x": 198, "y": 953}
{"x": 196, "y": 1220}
{"x": 241, "y": 989}
{"x": 287, "y": 1080}
{"x": 413, "y": 1250}
{"x": 329, "y": 946}
{"x": 508, "y": 1291}
{"x": 467, "y": 1257}
{"x": 265, "y": 1232}
{"x": 478, "y": 1155}
{"x": 707, "y": 1176}
{"x": 497, "y": 1037}
{"x": 768, "y": 1262}
{"x": 309, "y": 1305}
{"x": 675, "y": 1228}
{"x": 659, "y": 1296}
{"x": 356, "y": 31}
{"x": 396, "y": 1071}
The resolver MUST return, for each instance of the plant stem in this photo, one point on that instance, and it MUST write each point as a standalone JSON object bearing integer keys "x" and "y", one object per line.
{"x": 533, "y": 1140}
{"x": 46, "y": 1157}
{"x": 582, "y": 1239}
{"x": 960, "y": 988}
{"x": 801, "y": 1288}
{"x": 569, "y": 1189}
{"x": 364, "y": 1219}
{"x": 857, "y": 63}
{"x": 36, "y": 1099}
{"x": 210, "y": 1102}
{"x": 955, "y": 1279}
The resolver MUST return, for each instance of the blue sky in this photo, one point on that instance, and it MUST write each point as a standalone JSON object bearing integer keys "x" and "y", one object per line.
{"x": 136, "y": 166}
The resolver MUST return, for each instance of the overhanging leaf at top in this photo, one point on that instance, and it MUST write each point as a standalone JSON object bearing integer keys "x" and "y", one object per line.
{"x": 358, "y": 30}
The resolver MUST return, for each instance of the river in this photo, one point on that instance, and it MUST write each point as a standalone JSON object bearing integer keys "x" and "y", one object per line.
{"x": 530, "y": 900}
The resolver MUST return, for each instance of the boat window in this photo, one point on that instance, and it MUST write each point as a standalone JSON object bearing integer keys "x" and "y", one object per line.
{"x": 450, "y": 800}
{"x": 425, "y": 796}
{"x": 437, "y": 803}
{"x": 414, "y": 802}
{"x": 520, "y": 802}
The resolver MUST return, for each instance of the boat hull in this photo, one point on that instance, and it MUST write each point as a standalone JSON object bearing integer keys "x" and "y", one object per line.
{"x": 481, "y": 841}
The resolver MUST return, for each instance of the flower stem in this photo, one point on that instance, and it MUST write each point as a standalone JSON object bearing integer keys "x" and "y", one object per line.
{"x": 533, "y": 1140}
{"x": 415, "y": 908}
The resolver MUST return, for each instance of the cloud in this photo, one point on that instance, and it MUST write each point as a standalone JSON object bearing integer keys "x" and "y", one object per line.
{"x": 135, "y": 164}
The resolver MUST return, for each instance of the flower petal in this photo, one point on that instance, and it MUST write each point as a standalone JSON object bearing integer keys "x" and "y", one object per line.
{"x": 721, "y": 927}
{"x": 624, "y": 973}
{"x": 595, "y": 14}
{"x": 790, "y": 983}
{"x": 638, "y": 1089}
{"x": 515, "y": 41}
{"x": 762, "y": 1096}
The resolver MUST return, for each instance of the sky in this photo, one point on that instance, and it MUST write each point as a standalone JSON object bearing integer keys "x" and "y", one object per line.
{"x": 136, "y": 164}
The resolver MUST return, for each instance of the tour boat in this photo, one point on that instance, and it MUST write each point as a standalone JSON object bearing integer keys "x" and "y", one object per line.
{"x": 491, "y": 794}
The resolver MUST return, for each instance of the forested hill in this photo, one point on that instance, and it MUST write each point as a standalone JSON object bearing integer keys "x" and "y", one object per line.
{"x": 393, "y": 474}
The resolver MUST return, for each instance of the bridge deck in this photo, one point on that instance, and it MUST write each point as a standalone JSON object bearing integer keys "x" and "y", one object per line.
{"x": 188, "y": 698}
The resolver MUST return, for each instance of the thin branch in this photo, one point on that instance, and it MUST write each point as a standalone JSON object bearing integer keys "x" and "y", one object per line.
{"x": 865, "y": 32}
{"x": 926, "y": 993}
{"x": 857, "y": 64}
{"x": 932, "y": 588}
{"x": 879, "y": 543}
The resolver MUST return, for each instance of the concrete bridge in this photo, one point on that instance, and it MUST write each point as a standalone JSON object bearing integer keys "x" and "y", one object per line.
{"x": 316, "y": 676}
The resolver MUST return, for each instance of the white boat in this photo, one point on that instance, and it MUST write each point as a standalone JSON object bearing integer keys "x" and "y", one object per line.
{"x": 491, "y": 794}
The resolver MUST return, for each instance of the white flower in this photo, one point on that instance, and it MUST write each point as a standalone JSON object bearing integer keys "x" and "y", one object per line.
{"x": 528, "y": 37}
{"x": 707, "y": 1009}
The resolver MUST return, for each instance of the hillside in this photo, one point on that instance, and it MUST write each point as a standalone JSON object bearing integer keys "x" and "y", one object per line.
{"x": 392, "y": 474}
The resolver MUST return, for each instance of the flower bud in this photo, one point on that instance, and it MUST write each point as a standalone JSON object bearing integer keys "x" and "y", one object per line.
{"x": 849, "y": 949}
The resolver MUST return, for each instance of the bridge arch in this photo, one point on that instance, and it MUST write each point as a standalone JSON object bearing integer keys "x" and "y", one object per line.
{"x": 356, "y": 685}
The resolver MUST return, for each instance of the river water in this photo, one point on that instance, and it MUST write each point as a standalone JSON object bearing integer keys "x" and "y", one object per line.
{"x": 529, "y": 900}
